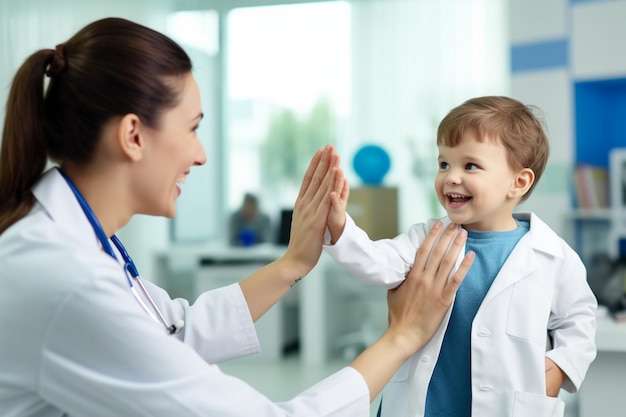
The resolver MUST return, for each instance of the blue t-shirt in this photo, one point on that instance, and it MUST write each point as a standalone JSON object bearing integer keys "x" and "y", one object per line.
{"x": 450, "y": 390}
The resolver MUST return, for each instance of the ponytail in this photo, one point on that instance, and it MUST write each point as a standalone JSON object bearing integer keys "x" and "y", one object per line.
{"x": 23, "y": 153}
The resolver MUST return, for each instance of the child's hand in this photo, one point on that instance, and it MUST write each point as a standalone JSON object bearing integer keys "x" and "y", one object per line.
{"x": 337, "y": 214}
{"x": 554, "y": 378}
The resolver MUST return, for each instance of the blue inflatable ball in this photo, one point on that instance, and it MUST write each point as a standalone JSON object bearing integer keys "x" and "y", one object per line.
{"x": 371, "y": 163}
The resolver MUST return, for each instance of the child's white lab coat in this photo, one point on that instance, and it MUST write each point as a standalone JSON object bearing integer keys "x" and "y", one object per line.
{"x": 538, "y": 306}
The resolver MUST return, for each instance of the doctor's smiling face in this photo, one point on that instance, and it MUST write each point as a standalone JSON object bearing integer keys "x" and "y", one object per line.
{"x": 170, "y": 150}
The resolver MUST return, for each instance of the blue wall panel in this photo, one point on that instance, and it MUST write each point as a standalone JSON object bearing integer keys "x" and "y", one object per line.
{"x": 539, "y": 55}
{"x": 600, "y": 107}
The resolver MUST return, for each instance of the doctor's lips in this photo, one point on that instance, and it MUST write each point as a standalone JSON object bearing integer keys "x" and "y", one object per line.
{"x": 181, "y": 180}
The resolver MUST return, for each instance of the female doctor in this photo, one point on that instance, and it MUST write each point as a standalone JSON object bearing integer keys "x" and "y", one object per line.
{"x": 84, "y": 336}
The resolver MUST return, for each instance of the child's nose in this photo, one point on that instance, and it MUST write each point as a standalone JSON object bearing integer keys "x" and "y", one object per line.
{"x": 453, "y": 177}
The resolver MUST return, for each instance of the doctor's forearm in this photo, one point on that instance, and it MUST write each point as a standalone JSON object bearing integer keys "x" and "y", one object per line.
{"x": 268, "y": 285}
{"x": 379, "y": 362}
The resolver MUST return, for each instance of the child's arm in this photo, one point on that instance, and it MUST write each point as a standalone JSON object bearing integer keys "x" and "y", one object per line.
{"x": 572, "y": 322}
{"x": 337, "y": 215}
{"x": 554, "y": 378}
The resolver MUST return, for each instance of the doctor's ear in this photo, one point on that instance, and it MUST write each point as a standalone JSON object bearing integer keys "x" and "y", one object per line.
{"x": 129, "y": 137}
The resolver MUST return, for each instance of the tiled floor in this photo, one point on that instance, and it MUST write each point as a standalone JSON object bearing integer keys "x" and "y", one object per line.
{"x": 282, "y": 379}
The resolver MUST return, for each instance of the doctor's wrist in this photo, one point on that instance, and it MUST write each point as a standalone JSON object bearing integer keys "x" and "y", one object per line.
{"x": 291, "y": 272}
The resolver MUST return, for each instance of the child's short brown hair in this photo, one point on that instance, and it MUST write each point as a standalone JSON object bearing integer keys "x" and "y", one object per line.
{"x": 503, "y": 120}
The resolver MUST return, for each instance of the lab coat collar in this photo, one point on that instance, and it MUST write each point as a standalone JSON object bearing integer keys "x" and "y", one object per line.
{"x": 541, "y": 237}
{"x": 58, "y": 200}
{"x": 523, "y": 260}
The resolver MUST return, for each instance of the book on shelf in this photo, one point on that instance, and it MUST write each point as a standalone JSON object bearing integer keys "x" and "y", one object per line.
{"x": 591, "y": 186}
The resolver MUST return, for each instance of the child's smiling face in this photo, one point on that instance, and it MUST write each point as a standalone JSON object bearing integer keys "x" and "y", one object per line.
{"x": 474, "y": 185}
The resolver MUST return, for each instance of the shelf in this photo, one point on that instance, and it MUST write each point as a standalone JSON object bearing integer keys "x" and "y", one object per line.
{"x": 590, "y": 214}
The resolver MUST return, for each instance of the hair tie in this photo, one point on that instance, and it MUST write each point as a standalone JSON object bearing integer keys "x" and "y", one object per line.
{"x": 58, "y": 62}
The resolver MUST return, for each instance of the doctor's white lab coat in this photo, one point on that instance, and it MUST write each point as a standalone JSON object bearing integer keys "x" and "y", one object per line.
{"x": 538, "y": 306}
{"x": 77, "y": 343}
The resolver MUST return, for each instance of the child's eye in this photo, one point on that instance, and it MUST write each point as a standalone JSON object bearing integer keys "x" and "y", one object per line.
{"x": 471, "y": 166}
{"x": 444, "y": 165}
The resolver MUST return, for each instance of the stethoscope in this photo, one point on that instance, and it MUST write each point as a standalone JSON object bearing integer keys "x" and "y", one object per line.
{"x": 132, "y": 274}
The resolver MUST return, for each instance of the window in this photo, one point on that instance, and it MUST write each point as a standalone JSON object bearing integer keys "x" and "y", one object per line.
{"x": 198, "y": 205}
{"x": 287, "y": 79}
{"x": 288, "y": 72}
{"x": 354, "y": 73}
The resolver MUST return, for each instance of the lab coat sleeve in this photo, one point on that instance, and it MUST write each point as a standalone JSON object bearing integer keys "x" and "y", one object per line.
{"x": 218, "y": 324}
{"x": 382, "y": 262}
{"x": 103, "y": 356}
{"x": 572, "y": 324}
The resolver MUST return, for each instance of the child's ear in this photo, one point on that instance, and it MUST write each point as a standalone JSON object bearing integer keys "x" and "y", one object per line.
{"x": 129, "y": 138}
{"x": 523, "y": 181}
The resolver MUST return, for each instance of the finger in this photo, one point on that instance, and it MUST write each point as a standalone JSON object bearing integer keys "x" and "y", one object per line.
{"x": 322, "y": 180}
{"x": 437, "y": 258}
{"x": 316, "y": 170}
{"x": 321, "y": 192}
{"x": 447, "y": 263}
{"x": 423, "y": 252}
{"x": 452, "y": 284}
{"x": 344, "y": 193}
{"x": 453, "y": 248}
{"x": 308, "y": 175}
{"x": 339, "y": 182}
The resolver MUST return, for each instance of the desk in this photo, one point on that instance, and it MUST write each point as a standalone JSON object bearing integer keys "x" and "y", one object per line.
{"x": 176, "y": 270}
{"x": 605, "y": 384}
{"x": 175, "y": 267}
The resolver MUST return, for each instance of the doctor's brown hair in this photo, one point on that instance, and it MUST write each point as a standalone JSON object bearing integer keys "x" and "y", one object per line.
{"x": 111, "y": 67}
{"x": 502, "y": 120}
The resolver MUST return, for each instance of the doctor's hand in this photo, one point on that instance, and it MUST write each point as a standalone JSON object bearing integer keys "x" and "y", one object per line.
{"x": 554, "y": 378}
{"x": 322, "y": 180}
{"x": 417, "y": 306}
{"x": 269, "y": 284}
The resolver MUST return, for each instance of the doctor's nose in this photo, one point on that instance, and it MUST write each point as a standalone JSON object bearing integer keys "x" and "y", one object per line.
{"x": 201, "y": 157}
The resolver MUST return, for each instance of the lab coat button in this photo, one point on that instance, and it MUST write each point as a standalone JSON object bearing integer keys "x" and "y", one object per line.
{"x": 484, "y": 333}
{"x": 485, "y": 387}
{"x": 425, "y": 358}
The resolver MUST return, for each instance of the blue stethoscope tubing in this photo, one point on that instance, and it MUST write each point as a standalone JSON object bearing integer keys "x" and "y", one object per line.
{"x": 132, "y": 274}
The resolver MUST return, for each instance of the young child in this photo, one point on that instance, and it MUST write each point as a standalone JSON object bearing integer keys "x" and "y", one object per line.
{"x": 523, "y": 322}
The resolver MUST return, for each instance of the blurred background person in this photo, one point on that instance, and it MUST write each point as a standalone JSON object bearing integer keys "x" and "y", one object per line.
{"x": 249, "y": 225}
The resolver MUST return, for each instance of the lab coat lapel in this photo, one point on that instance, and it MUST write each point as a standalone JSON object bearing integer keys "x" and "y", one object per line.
{"x": 523, "y": 260}
{"x": 521, "y": 263}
